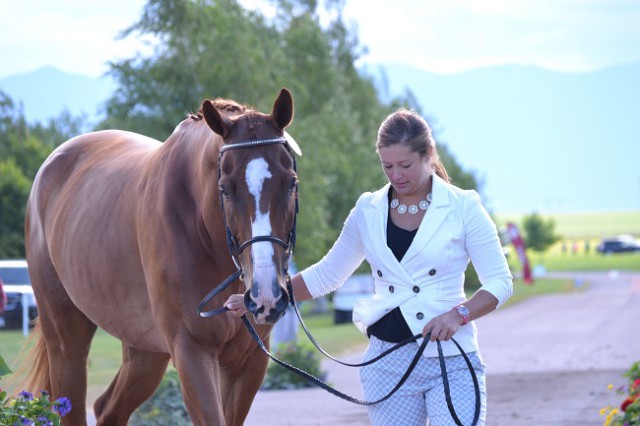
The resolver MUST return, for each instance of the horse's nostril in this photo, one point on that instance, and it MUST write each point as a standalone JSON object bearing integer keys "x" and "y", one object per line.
{"x": 275, "y": 314}
{"x": 249, "y": 303}
{"x": 283, "y": 302}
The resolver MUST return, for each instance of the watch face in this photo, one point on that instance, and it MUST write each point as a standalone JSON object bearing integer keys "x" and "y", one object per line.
{"x": 462, "y": 310}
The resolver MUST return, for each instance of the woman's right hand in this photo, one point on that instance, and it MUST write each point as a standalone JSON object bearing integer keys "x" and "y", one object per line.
{"x": 235, "y": 305}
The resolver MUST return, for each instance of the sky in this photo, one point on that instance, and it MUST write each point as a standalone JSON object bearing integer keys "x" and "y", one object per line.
{"x": 442, "y": 36}
{"x": 439, "y": 36}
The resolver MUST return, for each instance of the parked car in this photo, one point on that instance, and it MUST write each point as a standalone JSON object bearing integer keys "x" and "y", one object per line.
{"x": 14, "y": 275}
{"x": 358, "y": 286}
{"x": 621, "y": 244}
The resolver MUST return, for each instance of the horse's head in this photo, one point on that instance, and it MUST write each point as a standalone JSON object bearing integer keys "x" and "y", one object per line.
{"x": 258, "y": 188}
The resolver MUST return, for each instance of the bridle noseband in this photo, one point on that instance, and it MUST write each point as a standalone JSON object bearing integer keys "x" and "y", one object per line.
{"x": 235, "y": 249}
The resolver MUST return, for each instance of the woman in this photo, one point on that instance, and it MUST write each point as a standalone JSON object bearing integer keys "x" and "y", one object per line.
{"x": 418, "y": 233}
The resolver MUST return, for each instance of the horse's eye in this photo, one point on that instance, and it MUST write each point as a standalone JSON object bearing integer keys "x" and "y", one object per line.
{"x": 293, "y": 186}
{"x": 223, "y": 190}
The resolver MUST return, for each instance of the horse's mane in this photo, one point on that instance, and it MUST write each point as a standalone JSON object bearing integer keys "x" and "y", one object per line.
{"x": 226, "y": 106}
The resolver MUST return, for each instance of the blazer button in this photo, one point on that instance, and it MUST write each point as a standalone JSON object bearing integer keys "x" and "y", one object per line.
{"x": 391, "y": 289}
{"x": 416, "y": 289}
{"x": 432, "y": 272}
{"x": 379, "y": 272}
{"x": 419, "y": 315}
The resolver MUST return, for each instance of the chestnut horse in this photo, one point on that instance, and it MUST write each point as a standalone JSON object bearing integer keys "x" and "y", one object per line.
{"x": 128, "y": 234}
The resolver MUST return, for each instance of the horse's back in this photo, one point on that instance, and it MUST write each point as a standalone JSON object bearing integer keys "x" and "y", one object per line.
{"x": 85, "y": 168}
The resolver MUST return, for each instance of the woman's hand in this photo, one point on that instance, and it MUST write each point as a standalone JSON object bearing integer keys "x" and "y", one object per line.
{"x": 443, "y": 327}
{"x": 235, "y": 304}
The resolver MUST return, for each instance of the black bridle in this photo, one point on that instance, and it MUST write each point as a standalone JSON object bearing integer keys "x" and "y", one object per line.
{"x": 232, "y": 242}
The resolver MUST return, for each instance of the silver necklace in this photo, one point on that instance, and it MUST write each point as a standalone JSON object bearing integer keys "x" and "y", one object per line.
{"x": 412, "y": 209}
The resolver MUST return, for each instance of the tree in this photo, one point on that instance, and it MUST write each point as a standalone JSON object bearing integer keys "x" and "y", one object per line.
{"x": 23, "y": 149}
{"x": 216, "y": 48}
{"x": 539, "y": 234}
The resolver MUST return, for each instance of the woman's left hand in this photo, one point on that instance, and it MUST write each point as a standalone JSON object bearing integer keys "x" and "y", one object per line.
{"x": 235, "y": 305}
{"x": 443, "y": 327}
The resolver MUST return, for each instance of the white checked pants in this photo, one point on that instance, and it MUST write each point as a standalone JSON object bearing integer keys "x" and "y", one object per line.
{"x": 421, "y": 397}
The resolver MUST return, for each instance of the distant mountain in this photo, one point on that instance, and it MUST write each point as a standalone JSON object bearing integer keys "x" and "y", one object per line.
{"x": 538, "y": 140}
{"x": 47, "y": 91}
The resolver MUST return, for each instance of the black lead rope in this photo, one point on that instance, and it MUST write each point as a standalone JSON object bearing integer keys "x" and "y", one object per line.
{"x": 226, "y": 283}
{"x": 324, "y": 385}
{"x": 403, "y": 379}
{"x": 330, "y": 389}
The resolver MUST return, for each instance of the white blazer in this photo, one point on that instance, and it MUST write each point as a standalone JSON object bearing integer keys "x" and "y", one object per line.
{"x": 429, "y": 280}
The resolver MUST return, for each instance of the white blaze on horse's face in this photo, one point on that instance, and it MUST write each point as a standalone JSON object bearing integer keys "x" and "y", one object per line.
{"x": 264, "y": 268}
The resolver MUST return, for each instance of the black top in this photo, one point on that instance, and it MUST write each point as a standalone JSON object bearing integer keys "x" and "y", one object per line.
{"x": 392, "y": 327}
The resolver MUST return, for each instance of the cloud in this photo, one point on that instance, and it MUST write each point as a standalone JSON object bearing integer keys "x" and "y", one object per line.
{"x": 442, "y": 36}
{"x": 77, "y": 36}
{"x": 454, "y": 35}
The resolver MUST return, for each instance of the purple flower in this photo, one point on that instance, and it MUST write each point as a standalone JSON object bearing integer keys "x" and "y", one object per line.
{"x": 24, "y": 420}
{"x": 43, "y": 421}
{"x": 62, "y": 406}
{"x": 44, "y": 392}
{"x": 27, "y": 396}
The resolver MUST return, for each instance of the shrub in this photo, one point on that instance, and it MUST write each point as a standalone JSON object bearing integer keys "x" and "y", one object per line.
{"x": 165, "y": 407}
{"x": 299, "y": 356}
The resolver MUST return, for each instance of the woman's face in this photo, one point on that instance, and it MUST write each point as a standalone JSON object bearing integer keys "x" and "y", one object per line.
{"x": 407, "y": 171}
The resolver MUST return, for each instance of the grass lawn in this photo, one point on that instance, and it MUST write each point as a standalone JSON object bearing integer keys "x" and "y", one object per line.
{"x": 585, "y": 225}
{"x": 554, "y": 259}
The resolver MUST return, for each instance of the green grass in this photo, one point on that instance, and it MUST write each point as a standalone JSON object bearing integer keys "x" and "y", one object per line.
{"x": 585, "y": 225}
{"x": 555, "y": 259}
{"x": 104, "y": 359}
{"x": 522, "y": 291}
{"x": 336, "y": 339}
{"x": 580, "y": 230}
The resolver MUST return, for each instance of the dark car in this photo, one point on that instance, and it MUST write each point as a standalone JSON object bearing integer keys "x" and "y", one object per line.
{"x": 3, "y": 303}
{"x": 14, "y": 275}
{"x": 618, "y": 245}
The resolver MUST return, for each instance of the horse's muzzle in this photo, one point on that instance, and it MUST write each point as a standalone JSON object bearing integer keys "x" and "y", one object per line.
{"x": 267, "y": 311}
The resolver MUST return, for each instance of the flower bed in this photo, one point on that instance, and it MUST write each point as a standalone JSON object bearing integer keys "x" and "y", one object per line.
{"x": 628, "y": 414}
{"x": 26, "y": 409}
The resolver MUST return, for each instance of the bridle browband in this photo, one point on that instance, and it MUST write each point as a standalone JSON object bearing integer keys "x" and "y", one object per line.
{"x": 232, "y": 242}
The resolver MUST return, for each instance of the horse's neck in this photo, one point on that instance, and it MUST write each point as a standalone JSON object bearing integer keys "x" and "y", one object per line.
{"x": 191, "y": 153}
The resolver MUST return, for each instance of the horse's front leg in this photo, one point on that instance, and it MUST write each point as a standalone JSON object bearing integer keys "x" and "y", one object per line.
{"x": 241, "y": 381}
{"x": 199, "y": 373}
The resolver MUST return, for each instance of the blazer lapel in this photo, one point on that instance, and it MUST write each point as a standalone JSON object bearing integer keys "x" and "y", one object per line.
{"x": 432, "y": 220}
{"x": 376, "y": 220}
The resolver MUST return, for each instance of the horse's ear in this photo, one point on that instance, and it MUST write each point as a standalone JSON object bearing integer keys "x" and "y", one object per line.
{"x": 218, "y": 122}
{"x": 282, "y": 112}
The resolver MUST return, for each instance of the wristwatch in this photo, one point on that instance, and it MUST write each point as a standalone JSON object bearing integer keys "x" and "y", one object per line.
{"x": 463, "y": 312}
